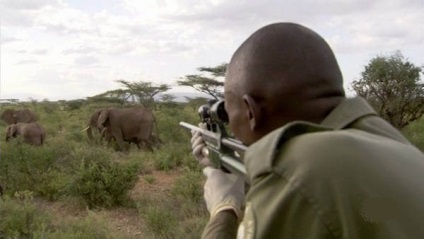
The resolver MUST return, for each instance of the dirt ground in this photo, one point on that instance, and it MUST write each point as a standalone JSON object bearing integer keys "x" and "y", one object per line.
{"x": 124, "y": 220}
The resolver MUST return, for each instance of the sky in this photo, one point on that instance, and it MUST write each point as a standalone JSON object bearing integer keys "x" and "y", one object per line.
{"x": 73, "y": 49}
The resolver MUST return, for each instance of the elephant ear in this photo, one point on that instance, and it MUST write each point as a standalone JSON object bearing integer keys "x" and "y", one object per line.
{"x": 7, "y": 116}
{"x": 95, "y": 117}
{"x": 103, "y": 116}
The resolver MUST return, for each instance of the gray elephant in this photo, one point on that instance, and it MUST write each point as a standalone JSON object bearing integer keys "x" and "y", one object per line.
{"x": 11, "y": 116}
{"x": 133, "y": 125}
{"x": 32, "y": 133}
{"x": 92, "y": 125}
{"x": 153, "y": 142}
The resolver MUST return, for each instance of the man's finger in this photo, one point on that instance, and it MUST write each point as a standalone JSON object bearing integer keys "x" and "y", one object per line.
{"x": 205, "y": 162}
{"x": 195, "y": 136}
{"x": 198, "y": 141}
{"x": 208, "y": 171}
{"x": 198, "y": 149}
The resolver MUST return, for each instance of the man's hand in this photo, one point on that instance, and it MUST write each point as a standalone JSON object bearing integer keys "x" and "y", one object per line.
{"x": 223, "y": 191}
{"x": 199, "y": 148}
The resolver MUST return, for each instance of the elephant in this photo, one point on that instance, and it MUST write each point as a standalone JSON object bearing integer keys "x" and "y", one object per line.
{"x": 11, "y": 116}
{"x": 133, "y": 125}
{"x": 92, "y": 124}
{"x": 32, "y": 133}
{"x": 153, "y": 142}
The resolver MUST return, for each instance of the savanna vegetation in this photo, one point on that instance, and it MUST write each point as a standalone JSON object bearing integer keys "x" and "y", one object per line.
{"x": 74, "y": 188}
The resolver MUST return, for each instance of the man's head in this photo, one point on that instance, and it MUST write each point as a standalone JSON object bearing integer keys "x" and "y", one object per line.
{"x": 283, "y": 72}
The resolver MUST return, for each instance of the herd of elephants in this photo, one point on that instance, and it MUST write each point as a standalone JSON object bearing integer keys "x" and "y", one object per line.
{"x": 124, "y": 125}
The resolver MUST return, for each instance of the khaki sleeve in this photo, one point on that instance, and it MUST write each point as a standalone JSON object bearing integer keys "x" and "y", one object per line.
{"x": 222, "y": 226}
{"x": 276, "y": 208}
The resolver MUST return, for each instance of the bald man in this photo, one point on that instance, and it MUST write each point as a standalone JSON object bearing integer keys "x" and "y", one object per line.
{"x": 319, "y": 165}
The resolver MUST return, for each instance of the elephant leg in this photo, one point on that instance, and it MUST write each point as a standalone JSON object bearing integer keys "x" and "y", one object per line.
{"x": 148, "y": 145}
{"x": 117, "y": 134}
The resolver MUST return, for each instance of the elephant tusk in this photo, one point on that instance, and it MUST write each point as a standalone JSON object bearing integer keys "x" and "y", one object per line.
{"x": 86, "y": 128}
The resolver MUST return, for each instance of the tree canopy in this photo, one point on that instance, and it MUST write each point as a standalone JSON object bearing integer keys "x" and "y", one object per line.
{"x": 393, "y": 86}
{"x": 144, "y": 91}
{"x": 208, "y": 81}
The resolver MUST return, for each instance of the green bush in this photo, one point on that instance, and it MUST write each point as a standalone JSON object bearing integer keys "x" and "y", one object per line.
{"x": 415, "y": 133}
{"x": 168, "y": 124}
{"x": 189, "y": 187}
{"x": 24, "y": 167}
{"x": 170, "y": 156}
{"x": 49, "y": 107}
{"x": 20, "y": 217}
{"x": 102, "y": 182}
{"x": 90, "y": 227}
{"x": 181, "y": 214}
{"x": 74, "y": 104}
{"x": 161, "y": 221}
{"x": 149, "y": 178}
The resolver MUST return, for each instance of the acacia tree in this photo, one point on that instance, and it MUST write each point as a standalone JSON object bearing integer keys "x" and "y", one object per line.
{"x": 119, "y": 96}
{"x": 144, "y": 91}
{"x": 393, "y": 86}
{"x": 208, "y": 81}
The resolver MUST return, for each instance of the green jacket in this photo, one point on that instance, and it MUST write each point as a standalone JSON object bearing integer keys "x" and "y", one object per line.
{"x": 352, "y": 176}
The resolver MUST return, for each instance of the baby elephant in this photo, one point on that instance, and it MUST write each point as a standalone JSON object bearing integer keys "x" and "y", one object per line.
{"x": 32, "y": 133}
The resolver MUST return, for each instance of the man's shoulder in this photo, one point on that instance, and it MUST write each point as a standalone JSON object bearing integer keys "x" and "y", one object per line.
{"x": 340, "y": 141}
{"x": 347, "y": 143}
{"x": 340, "y": 152}
{"x": 305, "y": 145}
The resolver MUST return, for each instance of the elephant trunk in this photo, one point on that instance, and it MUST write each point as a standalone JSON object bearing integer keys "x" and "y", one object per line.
{"x": 90, "y": 133}
{"x": 157, "y": 131}
{"x": 103, "y": 134}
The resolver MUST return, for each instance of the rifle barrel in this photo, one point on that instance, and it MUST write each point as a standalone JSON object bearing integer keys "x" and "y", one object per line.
{"x": 234, "y": 165}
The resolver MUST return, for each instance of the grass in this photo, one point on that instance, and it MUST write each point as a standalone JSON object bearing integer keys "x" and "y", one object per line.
{"x": 70, "y": 171}
{"x": 93, "y": 180}
{"x": 149, "y": 178}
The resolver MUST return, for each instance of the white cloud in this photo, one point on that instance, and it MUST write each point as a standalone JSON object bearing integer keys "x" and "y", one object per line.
{"x": 28, "y": 4}
{"x": 6, "y": 40}
{"x": 86, "y": 60}
{"x": 70, "y": 43}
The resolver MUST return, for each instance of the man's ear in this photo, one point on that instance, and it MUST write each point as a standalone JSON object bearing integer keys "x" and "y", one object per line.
{"x": 253, "y": 113}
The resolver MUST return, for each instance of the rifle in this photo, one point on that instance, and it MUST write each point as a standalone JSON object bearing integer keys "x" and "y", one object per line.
{"x": 223, "y": 151}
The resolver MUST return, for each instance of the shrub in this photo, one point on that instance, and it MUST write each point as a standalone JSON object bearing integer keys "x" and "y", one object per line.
{"x": 20, "y": 218}
{"x": 24, "y": 167}
{"x": 23, "y": 218}
{"x": 415, "y": 133}
{"x": 149, "y": 178}
{"x": 161, "y": 221}
{"x": 170, "y": 156}
{"x": 91, "y": 227}
{"x": 102, "y": 182}
{"x": 49, "y": 107}
{"x": 188, "y": 187}
{"x": 75, "y": 104}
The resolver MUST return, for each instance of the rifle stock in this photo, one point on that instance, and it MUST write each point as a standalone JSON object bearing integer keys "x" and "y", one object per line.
{"x": 224, "y": 152}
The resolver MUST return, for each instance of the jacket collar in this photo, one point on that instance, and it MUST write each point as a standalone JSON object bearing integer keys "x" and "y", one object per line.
{"x": 348, "y": 111}
{"x": 259, "y": 157}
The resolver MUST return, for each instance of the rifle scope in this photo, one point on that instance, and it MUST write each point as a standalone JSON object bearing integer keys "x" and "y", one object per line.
{"x": 213, "y": 111}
